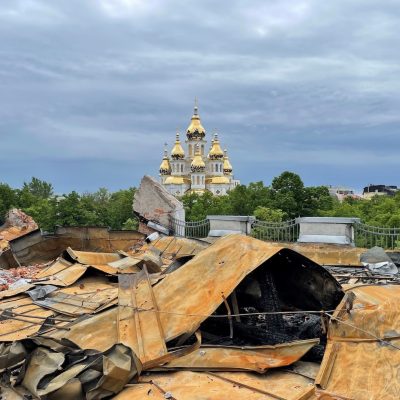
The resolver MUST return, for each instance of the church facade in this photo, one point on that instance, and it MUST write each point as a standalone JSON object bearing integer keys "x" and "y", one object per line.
{"x": 193, "y": 169}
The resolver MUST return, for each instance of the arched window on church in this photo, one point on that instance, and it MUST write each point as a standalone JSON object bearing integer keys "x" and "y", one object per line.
{"x": 182, "y": 168}
{"x": 198, "y": 180}
{"x": 190, "y": 150}
{"x": 202, "y": 149}
{"x": 212, "y": 167}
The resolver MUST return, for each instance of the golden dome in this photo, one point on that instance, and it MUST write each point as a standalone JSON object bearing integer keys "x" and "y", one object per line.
{"x": 227, "y": 165}
{"x": 198, "y": 164}
{"x": 177, "y": 152}
{"x": 195, "y": 130}
{"x": 165, "y": 167}
{"x": 216, "y": 152}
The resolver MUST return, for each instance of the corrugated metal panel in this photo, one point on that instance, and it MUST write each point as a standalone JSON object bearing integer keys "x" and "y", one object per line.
{"x": 92, "y": 258}
{"x": 185, "y": 385}
{"x": 250, "y": 358}
{"x": 216, "y": 270}
{"x": 362, "y": 358}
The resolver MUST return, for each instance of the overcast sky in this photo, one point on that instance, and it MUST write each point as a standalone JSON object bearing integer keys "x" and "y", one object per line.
{"x": 91, "y": 89}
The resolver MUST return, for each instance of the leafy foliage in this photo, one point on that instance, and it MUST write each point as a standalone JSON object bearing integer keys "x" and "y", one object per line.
{"x": 101, "y": 208}
{"x": 286, "y": 198}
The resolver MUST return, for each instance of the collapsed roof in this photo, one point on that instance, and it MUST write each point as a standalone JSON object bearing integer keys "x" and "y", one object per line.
{"x": 180, "y": 318}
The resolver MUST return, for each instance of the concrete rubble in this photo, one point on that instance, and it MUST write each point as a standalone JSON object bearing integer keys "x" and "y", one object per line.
{"x": 155, "y": 206}
{"x": 177, "y": 318}
{"x": 17, "y": 223}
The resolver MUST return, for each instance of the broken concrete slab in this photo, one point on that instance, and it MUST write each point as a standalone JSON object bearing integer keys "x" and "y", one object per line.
{"x": 153, "y": 203}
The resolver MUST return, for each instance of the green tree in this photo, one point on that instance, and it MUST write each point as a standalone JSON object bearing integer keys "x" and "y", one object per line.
{"x": 8, "y": 199}
{"x": 43, "y": 211}
{"x": 72, "y": 211}
{"x": 120, "y": 208}
{"x": 39, "y": 188}
{"x": 33, "y": 191}
{"x": 269, "y": 214}
{"x": 287, "y": 192}
{"x": 316, "y": 199}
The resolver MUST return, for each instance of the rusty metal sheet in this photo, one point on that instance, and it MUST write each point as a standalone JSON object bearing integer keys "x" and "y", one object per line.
{"x": 87, "y": 296}
{"x": 64, "y": 273}
{"x": 149, "y": 316}
{"x": 98, "y": 332}
{"x": 216, "y": 270}
{"x": 18, "y": 290}
{"x": 44, "y": 248}
{"x": 252, "y": 358}
{"x": 175, "y": 247}
{"x": 60, "y": 273}
{"x": 187, "y": 385}
{"x": 127, "y": 264}
{"x": 28, "y": 321}
{"x": 362, "y": 357}
{"x": 148, "y": 344}
{"x": 325, "y": 254}
{"x": 15, "y": 302}
{"x": 92, "y": 258}
{"x": 78, "y": 304}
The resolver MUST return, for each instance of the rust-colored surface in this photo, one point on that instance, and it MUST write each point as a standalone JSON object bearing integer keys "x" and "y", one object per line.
{"x": 35, "y": 248}
{"x": 221, "y": 267}
{"x": 174, "y": 247}
{"x": 186, "y": 385}
{"x": 250, "y": 358}
{"x": 139, "y": 330}
{"x": 60, "y": 273}
{"x": 64, "y": 273}
{"x": 86, "y": 296}
{"x": 326, "y": 254}
{"x": 92, "y": 258}
{"x": 362, "y": 358}
{"x": 160, "y": 318}
{"x": 25, "y": 316}
{"x": 97, "y": 332}
{"x": 27, "y": 323}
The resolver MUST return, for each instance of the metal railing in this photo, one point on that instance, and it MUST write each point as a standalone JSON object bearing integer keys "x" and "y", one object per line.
{"x": 190, "y": 229}
{"x": 286, "y": 231}
{"x": 369, "y": 236}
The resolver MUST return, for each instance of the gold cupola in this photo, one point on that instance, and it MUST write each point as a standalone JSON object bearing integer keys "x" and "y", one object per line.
{"x": 198, "y": 164}
{"x": 216, "y": 152}
{"x": 227, "y": 165}
{"x": 165, "y": 167}
{"x": 195, "y": 130}
{"x": 177, "y": 152}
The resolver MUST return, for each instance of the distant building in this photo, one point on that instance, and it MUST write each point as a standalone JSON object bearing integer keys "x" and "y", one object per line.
{"x": 341, "y": 193}
{"x": 379, "y": 190}
{"x": 194, "y": 171}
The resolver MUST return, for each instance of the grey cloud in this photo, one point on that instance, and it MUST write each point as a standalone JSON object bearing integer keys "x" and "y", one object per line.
{"x": 306, "y": 85}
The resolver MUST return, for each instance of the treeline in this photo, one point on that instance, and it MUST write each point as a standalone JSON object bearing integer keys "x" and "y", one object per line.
{"x": 284, "y": 199}
{"x": 288, "y": 198}
{"x": 37, "y": 199}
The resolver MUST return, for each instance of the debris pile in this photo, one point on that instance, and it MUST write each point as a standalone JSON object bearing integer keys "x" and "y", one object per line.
{"x": 17, "y": 224}
{"x": 175, "y": 318}
{"x": 14, "y": 277}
